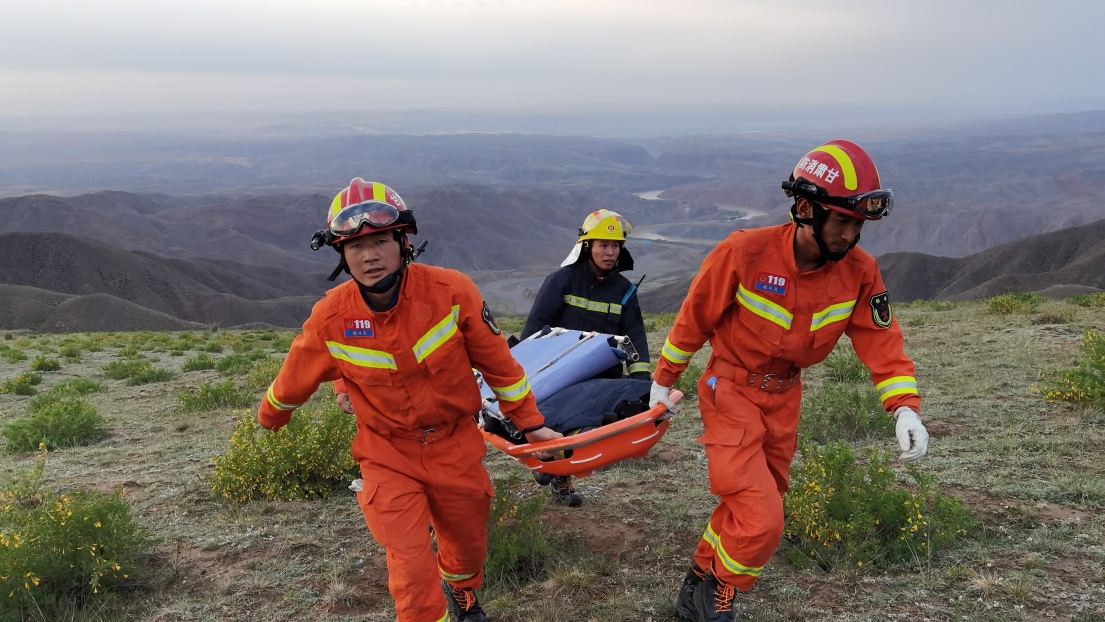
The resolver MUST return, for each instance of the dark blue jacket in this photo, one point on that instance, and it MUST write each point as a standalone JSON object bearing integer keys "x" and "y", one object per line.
{"x": 576, "y": 298}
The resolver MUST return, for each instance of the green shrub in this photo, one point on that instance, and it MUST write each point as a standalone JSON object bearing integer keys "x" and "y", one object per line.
{"x": 209, "y": 397}
{"x": 655, "y": 322}
{"x": 1015, "y": 302}
{"x": 58, "y": 550}
{"x": 843, "y": 514}
{"x": 688, "y": 380}
{"x": 136, "y": 372}
{"x": 1089, "y": 300}
{"x": 42, "y": 363}
{"x": 150, "y": 375}
{"x": 60, "y": 422}
{"x": 21, "y": 384}
{"x": 77, "y": 387}
{"x": 71, "y": 352}
{"x": 1084, "y": 384}
{"x": 843, "y": 365}
{"x": 238, "y": 364}
{"x": 306, "y": 459}
{"x": 516, "y": 542}
{"x": 283, "y": 344}
{"x": 8, "y": 336}
{"x": 839, "y": 412}
{"x": 214, "y": 346}
{"x": 127, "y": 351}
{"x": 199, "y": 362}
{"x": 14, "y": 355}
{"x": 262, "y": 373}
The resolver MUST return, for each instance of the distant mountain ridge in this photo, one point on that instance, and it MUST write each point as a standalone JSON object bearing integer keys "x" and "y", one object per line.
{"x": 1062, "y": 261}
{"x": 97, "y": 287}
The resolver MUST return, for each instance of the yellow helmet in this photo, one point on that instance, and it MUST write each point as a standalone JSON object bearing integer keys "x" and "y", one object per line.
{"x": 604, "y": 224}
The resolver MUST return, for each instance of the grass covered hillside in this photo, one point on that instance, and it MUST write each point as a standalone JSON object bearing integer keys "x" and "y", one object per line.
{"x": 135, "y": 486}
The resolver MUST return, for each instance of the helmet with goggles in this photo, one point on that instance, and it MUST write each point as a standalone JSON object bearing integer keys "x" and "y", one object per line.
{"x": 365, "y": 207}
{"x": 362, "y": 208}
{"x": 840, "y": 176}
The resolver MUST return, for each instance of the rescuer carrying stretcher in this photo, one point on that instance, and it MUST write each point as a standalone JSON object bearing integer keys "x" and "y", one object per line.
{"x": 405, "y": 337}
{"x": 772, "y": 301}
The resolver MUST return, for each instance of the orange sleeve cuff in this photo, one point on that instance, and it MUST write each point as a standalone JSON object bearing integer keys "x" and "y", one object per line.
{"x": 272, "y": 418}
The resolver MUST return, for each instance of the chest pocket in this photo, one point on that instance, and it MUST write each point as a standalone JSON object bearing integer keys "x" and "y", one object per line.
{"x": 441, "y": 346}
{"x": 769, "y": 320}
{"x": 363, "y": 365}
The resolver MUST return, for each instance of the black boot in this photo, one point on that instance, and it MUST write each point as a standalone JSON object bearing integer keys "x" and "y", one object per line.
{"x": 714, "y": 600}
{"x": 542, "y": 479}
{"x": 562, "y": 490}
{"x": 462, "y": 604}
{"x": 685, "y": 603}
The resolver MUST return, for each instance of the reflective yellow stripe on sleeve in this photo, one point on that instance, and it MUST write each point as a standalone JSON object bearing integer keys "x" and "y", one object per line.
{"x": 592, "y": 305}
{"x": 277, "y": 404}
{"x": 674, "y": 354}
{"x": 362, "y": 357}
{"x": 730, "y": 564}
{"x": 763, "y": 307}
{"x": 439, "y": 334}
{"x": 834, "y": 313}
{"x": 636, "y": 368}
{"x": 444, "y": 618}
{"x": 898, "y": 385}
{"x": 514, "y": 392}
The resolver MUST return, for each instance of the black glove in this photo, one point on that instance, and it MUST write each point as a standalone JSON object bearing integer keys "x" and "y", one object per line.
{"x": 641, "y": 375}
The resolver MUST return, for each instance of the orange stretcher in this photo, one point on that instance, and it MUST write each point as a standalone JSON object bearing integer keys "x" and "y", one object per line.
{"x": 580, "y": 454}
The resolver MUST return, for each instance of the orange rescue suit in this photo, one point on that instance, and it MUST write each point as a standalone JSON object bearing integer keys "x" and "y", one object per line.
{"x": 766, "y": 319}
{"x": 408, "y": 372}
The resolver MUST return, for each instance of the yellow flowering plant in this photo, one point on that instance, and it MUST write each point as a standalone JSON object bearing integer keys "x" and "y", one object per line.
{"x": 307, "y": 459}
{"x": 1084, "y": 384}
{"x": 57, "y": 547}
{"x": 516, "y": 542}
{"x": 842, "y": 513}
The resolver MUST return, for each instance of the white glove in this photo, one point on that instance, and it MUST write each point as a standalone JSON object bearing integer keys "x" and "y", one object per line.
{"x": 661, "y": 395}
{"x": 913, "y": 438}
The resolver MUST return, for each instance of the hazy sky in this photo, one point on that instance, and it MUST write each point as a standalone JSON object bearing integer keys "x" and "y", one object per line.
{"x": 69, "y": 56}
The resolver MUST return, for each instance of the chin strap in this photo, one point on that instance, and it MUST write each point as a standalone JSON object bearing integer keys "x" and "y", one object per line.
{"x": 820, "y": 215}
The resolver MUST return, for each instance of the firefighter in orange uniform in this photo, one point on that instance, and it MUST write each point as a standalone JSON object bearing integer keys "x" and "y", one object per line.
{"x": 405, "y": 337}
{"x": 772, "y": 301}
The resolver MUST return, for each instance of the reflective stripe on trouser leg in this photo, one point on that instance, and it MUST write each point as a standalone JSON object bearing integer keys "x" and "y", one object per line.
{"x": 750, "y": 440}
{"x": 398, "y": 516}
{"x": 459, "y": 507}
{"x": 396, "y": 502}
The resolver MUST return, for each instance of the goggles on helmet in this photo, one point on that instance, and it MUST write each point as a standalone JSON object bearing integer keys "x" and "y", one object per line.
{"x": 870, "y": 205}
{"x": 375, "y": 214}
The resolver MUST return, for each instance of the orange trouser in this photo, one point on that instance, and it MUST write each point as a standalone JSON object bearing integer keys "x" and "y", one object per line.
{"x": 409, "y": 485}
{"x": 750, "y": 438}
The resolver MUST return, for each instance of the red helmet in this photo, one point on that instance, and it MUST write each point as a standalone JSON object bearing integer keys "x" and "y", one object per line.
{"x": 366, "y": 207}
{"x": 841, "y": 176}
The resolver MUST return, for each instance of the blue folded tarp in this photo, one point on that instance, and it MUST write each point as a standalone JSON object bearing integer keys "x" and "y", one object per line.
{"x": 558, "y": 361}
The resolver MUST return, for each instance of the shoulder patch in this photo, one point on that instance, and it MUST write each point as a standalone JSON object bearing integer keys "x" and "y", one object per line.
{"x": 880, "y": 309}
{"x": 490, "y": 320}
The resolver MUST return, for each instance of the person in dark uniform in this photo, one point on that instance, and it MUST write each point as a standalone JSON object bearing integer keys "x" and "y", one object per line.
{"x": 589, "y": 293}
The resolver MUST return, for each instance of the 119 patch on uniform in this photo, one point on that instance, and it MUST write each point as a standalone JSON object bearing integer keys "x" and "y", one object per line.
{"x": 771, "y": 283}
{"x": 358, "y": 327}
{"x": 880, "y": 309}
